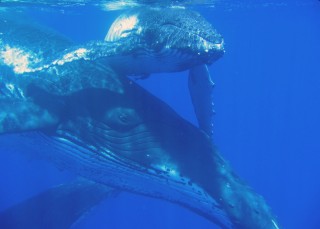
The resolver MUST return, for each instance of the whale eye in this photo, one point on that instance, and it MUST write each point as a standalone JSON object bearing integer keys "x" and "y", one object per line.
{"x": 168, "y": 23}
{"x": 122, "y": 118}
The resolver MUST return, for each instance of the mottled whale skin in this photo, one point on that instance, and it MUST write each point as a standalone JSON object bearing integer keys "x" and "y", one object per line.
{"x": 164, "y": 40}
{"x": 120, "y": 135}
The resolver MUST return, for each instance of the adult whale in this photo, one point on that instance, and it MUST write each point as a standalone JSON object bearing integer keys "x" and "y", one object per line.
{"x": 119, "y": 135}
{"x": 134, "y": 142}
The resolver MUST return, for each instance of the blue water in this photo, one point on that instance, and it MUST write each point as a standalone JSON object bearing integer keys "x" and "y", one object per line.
{"x": 267, "y": 98}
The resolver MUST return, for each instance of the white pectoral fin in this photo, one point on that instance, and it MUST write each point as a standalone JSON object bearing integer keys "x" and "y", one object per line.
{"x": 200, "y": 88}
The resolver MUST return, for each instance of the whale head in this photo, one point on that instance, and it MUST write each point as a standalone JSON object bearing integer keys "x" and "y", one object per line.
{"x": 164, "y": 40}
{"x": 132, "y": 141}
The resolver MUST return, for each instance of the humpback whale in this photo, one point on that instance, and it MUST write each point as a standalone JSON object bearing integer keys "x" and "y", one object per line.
{"x": 96, "y": 122}
{"x": 144, "y": 40}
{"x": 167, "y": 40}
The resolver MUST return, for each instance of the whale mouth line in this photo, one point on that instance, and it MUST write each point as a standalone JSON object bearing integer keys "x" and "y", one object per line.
{"x": 125, "y": 173}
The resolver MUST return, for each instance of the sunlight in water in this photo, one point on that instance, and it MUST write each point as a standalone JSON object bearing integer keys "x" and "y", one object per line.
{"x": 110, "y": 5}
{"x": 120, "y": 5}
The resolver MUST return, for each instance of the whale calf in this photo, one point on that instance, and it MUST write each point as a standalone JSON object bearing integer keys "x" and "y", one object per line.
{"x": 117, "y": 134}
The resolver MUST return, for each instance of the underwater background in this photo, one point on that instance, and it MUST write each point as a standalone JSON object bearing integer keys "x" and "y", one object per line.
{"x": 267, "y": 99}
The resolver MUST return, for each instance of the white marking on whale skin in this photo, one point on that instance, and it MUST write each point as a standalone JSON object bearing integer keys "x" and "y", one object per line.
{"x": 19, "y": 59}
{"x": 122, "y": 27}
{"x": 219, "y": 46}
{"x": 22, "y": 61}
{"x": 11, "y": 91}
{"x": 10, "y": 87}
{"x": 80, "y": 53}
{"x": 167, "y": 168}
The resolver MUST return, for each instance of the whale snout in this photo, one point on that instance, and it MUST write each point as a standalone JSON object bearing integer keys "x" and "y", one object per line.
{"x": 215, "y": 51}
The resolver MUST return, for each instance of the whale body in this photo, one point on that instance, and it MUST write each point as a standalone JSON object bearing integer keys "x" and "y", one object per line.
{"x": 99, "y": 124}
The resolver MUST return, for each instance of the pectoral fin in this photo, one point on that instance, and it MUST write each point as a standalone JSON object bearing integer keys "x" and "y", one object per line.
{"x": 200, "y": 88}
{"x": 57, "y": 208}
